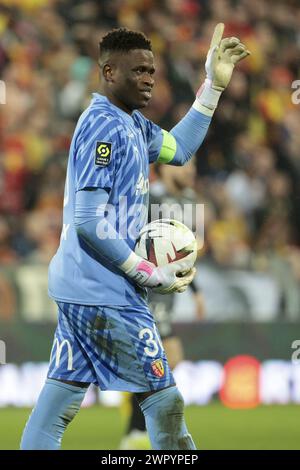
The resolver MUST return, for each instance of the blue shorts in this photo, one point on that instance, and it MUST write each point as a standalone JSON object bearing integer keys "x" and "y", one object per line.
{"x": 116, "y": 348}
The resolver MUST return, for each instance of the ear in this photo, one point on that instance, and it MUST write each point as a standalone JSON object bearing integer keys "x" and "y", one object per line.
{"x": 108, "y": 73}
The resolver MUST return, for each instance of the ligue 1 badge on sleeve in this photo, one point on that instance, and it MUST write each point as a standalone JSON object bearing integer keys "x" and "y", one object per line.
{"x": 102, "y": 153}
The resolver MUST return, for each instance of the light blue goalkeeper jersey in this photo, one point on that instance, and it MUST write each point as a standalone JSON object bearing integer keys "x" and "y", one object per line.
{"x": 110, "y": 149}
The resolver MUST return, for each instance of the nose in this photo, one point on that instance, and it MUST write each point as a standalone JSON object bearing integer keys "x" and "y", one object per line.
{"x": 148, "y": 79}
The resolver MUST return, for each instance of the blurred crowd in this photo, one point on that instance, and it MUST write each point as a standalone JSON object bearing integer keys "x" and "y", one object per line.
{"x": 248, "y": 169}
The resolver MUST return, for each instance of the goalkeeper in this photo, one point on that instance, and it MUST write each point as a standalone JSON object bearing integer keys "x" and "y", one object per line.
{"x": 106, "y": 334}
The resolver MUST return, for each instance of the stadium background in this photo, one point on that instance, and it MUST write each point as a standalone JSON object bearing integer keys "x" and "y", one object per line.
{"x": 248, "y": 178}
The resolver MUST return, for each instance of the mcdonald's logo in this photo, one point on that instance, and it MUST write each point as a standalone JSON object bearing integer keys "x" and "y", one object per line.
{"x": 59, "y": 348}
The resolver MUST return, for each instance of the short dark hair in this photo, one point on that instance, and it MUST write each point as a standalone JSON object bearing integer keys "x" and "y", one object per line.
{"x": 123, "y": 40}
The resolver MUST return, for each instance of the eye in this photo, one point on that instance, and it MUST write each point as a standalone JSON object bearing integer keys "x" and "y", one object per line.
{"x": 141, "y": 70}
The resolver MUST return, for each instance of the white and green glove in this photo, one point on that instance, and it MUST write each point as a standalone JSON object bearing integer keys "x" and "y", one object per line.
{"x": 165, "y": 279}
{"x": 222, "y": 57}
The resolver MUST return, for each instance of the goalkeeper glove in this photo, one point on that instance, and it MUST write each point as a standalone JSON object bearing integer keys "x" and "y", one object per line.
{"x": 164, "y": 279}
{"x": 221, "y": 59}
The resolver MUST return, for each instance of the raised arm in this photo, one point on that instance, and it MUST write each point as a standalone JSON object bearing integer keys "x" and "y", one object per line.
{"x": 183, "y": 140}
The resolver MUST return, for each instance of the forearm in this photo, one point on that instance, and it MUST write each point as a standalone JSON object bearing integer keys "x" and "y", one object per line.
{"x": 189, "y": 134}
{"x": 92, "y": 225}
{"x": 96, "y": 230}
{"x": 179, "y": 145}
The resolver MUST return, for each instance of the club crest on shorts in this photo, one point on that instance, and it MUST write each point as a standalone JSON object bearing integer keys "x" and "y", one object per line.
{"x": 102, "y": 153}
{"x": 158, "y": 368}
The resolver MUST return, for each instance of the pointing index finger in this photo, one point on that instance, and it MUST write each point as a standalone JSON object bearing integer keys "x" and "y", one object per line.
{"x": 217, "y": 36}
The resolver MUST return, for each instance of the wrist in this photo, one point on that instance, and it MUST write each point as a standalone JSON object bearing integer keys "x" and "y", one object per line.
{"x": 137, "y": 268}
{"x": 130, "y": 263}
{"x": 207, "y": 98}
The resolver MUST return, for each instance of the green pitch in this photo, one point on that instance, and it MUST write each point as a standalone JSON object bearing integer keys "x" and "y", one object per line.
{"x": 213, "y": 427}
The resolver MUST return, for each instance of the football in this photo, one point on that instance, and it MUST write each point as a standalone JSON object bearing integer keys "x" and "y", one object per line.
{"x": 164, "y": 241}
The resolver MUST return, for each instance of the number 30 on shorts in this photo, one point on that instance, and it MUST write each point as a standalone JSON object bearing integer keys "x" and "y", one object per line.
{"x": 152, "y": 340}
